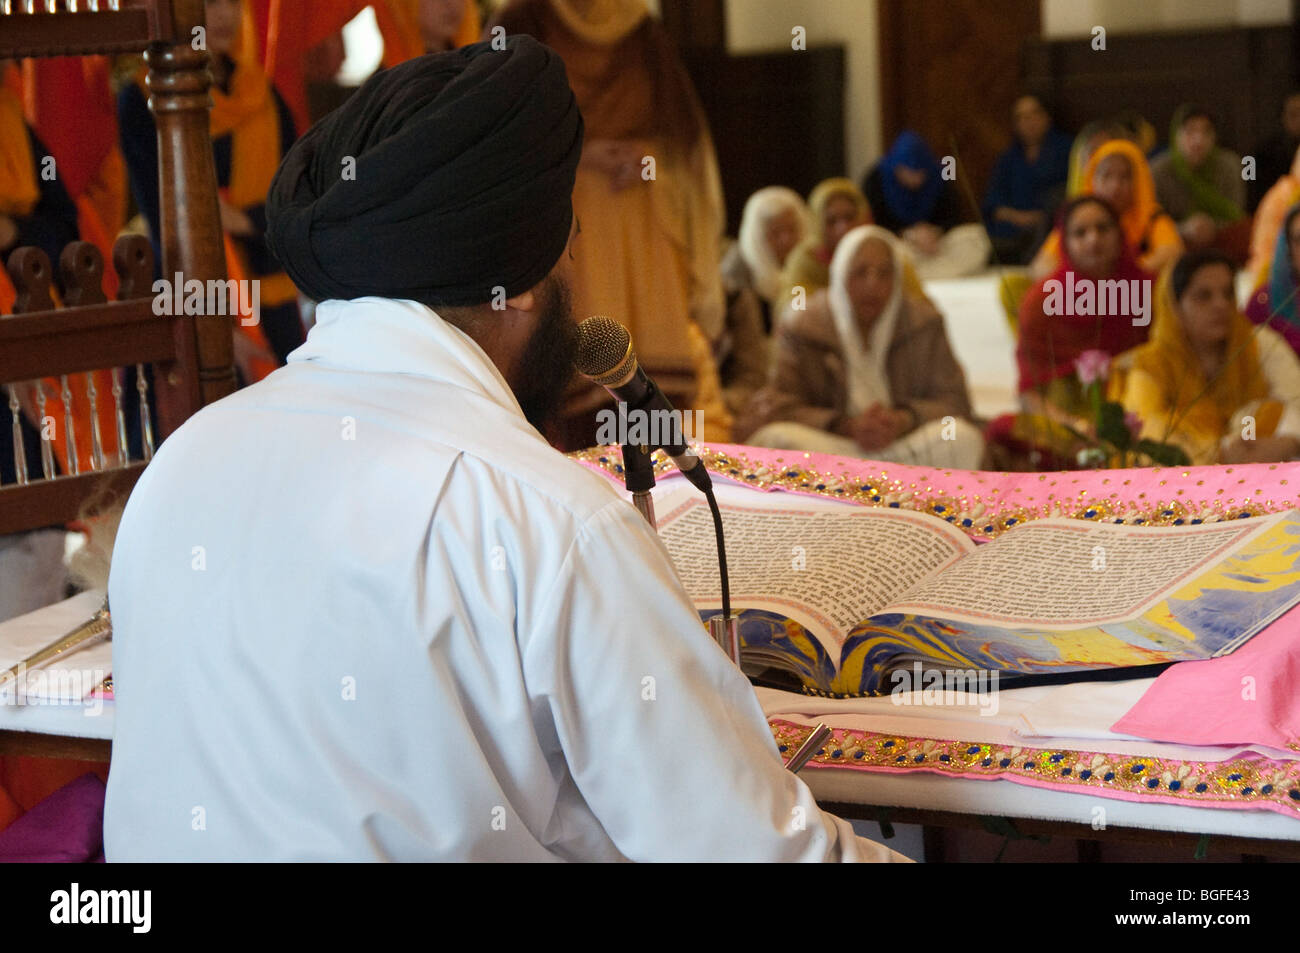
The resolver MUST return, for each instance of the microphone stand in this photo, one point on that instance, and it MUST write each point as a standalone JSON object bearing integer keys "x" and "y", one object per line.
{"x": 639, "y": 478}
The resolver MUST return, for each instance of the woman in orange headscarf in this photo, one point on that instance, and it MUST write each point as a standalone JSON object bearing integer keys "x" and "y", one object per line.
{"x": 1118, "y": 172}
{"x": 251, "y": 130}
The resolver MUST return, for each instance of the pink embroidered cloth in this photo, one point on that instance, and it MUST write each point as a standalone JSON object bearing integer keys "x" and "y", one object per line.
{"x": 985, "y": 503}
{"x": 1194, "y": 703}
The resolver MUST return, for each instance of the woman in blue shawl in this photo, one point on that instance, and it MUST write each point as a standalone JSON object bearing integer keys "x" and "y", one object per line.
{"x": 909, "y": 196}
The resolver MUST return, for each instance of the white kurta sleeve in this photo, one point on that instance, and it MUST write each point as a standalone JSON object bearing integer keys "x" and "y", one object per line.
{"x": 663, "y": 736}
{"x": 1281, "y": 369}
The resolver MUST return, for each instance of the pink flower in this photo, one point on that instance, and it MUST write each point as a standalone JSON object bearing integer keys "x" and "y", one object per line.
{"x": 1134, "y": 423}
{"x": 1092, "y": 366}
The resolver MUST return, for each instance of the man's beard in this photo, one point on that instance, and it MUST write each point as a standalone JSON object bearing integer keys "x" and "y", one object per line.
{"x": 546, "y": 366}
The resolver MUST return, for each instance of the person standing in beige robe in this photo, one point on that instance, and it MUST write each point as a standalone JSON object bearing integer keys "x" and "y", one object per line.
{"x": 648, "y": 198}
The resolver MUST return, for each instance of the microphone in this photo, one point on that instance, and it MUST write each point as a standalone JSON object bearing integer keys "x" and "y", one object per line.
{"x": 605, "y": 357}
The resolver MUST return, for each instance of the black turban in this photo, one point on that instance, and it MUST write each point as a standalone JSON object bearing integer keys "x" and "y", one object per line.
{"x": 463, "y": 180}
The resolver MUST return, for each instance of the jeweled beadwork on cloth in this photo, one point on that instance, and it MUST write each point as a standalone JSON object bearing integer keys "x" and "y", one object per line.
{"x": 984, "y": 504}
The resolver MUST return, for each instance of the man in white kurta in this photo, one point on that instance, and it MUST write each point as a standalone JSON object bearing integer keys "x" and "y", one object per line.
{"x": 363, "y": 610}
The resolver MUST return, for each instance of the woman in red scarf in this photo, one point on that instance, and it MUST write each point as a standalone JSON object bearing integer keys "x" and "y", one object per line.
{"x": 1097, "y": 299}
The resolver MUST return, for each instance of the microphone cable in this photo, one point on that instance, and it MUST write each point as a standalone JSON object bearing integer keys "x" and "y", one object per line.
{"x": 722, "y": 551}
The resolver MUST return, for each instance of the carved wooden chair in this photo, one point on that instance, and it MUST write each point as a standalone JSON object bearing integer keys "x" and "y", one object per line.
{"x": 191, "y": 358}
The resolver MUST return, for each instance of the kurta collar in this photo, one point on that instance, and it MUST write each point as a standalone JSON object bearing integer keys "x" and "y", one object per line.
{"x": 389, "y": 336}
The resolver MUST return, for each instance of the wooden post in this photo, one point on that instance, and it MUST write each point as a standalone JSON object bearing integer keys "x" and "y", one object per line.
{"x": 178, "y": 84}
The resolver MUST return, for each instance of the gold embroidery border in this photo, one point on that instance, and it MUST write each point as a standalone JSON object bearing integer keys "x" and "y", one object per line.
{"x": 977, "y": 516}
{"x": 1273, "y": 785}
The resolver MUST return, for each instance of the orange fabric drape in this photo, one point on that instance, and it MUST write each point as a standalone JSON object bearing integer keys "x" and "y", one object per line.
{"x": 19, "y": 189}
{"x": 19, "y": 192}
{"x": 16, "y": 190}
{"x": 282, "y": 44}
{"x": 300, "y": 27}
{"x": 105, "y": 412}
{"x": 88, "y": 158}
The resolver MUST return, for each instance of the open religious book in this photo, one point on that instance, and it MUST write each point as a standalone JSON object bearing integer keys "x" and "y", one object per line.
{"x": 856, "y": 600}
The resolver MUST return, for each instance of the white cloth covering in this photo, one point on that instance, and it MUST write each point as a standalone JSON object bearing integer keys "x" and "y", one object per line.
{"x": 363, "y": 611}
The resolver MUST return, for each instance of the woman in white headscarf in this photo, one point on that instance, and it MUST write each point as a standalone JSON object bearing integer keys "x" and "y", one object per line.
{"x": 775, "y": 220}
{"x": 866, "y": 370}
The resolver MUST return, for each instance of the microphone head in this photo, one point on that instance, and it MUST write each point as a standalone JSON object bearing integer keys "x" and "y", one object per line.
{"x": 605, "y": 353}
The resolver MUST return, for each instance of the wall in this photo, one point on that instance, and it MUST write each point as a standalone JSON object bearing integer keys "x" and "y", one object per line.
{"x": 1066, "y": 18}
{"x": 764, "y": 26}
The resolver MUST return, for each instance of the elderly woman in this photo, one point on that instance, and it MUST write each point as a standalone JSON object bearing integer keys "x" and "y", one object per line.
{"x": 1209, "y": 381}
{"x": 866, "y": 370}
{"x": 775, "y": 220}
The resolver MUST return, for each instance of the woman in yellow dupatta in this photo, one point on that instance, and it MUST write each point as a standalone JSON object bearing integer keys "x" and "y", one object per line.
{"x": 836, "y": 206}
{"x": 1208, "y": 380}
{"x": 1118, "y": 172}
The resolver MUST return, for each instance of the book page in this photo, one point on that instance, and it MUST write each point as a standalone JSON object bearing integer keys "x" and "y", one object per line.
{"x": 1061, "y": 574}
{"x": 826, "y": 565}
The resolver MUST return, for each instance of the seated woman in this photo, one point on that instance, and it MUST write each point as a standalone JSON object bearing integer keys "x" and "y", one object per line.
{"x": 908, "y": 196}
{"x": 1053, "y": 334}
{"x": 1118, "y": 172}
{"x": 866, "y": 370}
{"x": 1090, "y": 138}
{"x": 834, "y": 207}
{"x": 774, "y": 221}
{"x": 1027, "y": 184}
{"x": 1208, "y": 380}
{"x": 1200, "y": 185}
{"x": 1273, "y": 302}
